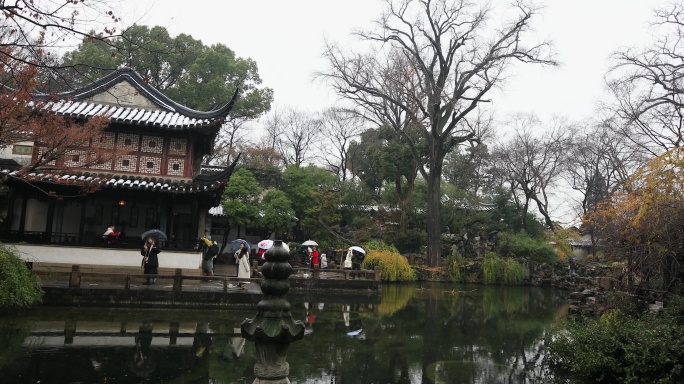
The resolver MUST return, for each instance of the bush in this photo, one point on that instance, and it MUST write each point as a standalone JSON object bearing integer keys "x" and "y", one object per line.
{"x": 452, "y": 266}
{"x": 394, "y": 267}
{"x": 620, "y": 348}
{"x": 498, "y": 270}
{"x": 17, "y": 289}
{"x": 411, "y": 241}
{"x": 521, "y": 245}
{"x": 378, "y": 245}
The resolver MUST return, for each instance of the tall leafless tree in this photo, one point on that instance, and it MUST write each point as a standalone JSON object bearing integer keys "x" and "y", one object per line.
{"x": 599, "y": 163}
{"x": 532, "y": 161}
{"x": 339, "y": 127}
{"x": 648, "y": 87}
{"x": 233, "y": 136}
{"x": 434, "y": 61}
{"x": 293, "y": 134}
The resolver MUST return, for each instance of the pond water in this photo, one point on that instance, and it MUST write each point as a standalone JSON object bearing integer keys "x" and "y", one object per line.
{"x": 434, "y": 333}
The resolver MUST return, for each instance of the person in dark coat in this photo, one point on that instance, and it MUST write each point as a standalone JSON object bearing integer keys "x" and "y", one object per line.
{"x": 150, "y": 260}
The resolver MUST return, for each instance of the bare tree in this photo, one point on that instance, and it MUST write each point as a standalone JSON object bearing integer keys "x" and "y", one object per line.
{"x": 339, "y": 127}
{"x": 292, "y": 134}
{"x": 532, "y": 164}
{"x": 434, "y": 62}
{"x": 32, "y": 28}
{"x": 232, "y": 137}
{"x": 648, "y": 89}
{"x": 599, "y": 163}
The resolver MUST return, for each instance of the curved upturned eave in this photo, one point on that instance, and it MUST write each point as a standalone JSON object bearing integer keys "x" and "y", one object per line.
{"x": 154, "y": 95}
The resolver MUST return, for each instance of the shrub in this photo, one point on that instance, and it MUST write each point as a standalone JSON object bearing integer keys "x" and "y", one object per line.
{"x": 17, "y": 289}
{"x": 521, "y": 245}
{"x": 394, "y": 267}
{"x": 378, "y": 245}
{"x": 560, "y": 236}
{"x": 498, "y": 270}
{"x": 453, "y": 265}
{"x": 621, "y": 349}
{"x": 411, "y": 241}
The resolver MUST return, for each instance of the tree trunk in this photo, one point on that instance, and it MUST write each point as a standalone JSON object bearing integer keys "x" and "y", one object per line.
{"x": 543, "y": 210}
{"x": 434, "y": 226}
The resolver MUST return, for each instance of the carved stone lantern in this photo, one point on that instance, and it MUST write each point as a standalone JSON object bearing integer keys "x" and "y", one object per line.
{"x": 273, "y": 328}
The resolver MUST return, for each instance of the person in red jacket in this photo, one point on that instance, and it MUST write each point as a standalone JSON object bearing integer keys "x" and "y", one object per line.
{"x": 314, "y": 257}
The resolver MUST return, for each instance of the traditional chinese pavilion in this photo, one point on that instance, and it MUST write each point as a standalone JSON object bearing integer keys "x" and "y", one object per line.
{"x": 59, "y": 211}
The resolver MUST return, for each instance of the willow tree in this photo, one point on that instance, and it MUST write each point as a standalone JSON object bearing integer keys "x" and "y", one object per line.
{"x": 431, "y": 64}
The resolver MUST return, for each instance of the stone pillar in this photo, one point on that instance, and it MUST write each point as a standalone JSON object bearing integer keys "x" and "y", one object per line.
{"x": 273, "y": 328}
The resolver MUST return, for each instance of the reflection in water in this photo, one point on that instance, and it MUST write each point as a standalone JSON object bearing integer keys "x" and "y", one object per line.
{"x": 144, "y": 362}
{"x": 417, "y": 334}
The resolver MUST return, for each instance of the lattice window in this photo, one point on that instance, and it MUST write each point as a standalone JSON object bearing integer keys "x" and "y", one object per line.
{"x": 152, "y": 144}
{"x": 178, "y": 147}
{"x": 106, "y": 140}
{"x": 75, "y": 159}
{"x": 150, "y": 164}
{"x": 175, "y": 167}
{"x": 106, "y": 165}
{"x": 41, "y": 151}
{"x": 128, "y": 141}
{"x": 126, "y": 163}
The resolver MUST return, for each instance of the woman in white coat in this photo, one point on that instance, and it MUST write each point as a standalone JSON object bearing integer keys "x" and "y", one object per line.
{"x": 244, "y": 269}
{"x": 348, "y": 260}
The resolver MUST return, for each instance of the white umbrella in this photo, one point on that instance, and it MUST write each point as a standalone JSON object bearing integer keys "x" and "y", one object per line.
{"x": 310, "y": 243}
{"x": 357, "y": 249}
{"x": 268, "y": 244}
{"x": 265, "y": 244}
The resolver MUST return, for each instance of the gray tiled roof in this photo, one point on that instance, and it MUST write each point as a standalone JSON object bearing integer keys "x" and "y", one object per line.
{"x": 127, "y": 115}
{"x": 108, "y": 180}
{"x": 166, "y": 114}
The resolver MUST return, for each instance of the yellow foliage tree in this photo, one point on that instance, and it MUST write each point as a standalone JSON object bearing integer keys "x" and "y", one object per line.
{"x": 642, "y": 224}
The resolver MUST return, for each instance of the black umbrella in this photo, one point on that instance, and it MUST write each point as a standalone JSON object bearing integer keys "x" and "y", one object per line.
{"x": 155, "y": 233}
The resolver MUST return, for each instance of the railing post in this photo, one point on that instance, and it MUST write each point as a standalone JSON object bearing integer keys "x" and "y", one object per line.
{"x": 69, "y": 331}
{"x": 316, "y": 272}
{"x": 178, "y": 280}
{"x": 127, "y": 284}
{"x": 173, "y": 333}
{"x": 75, "y": 277}
{"x": 377, "y": 270}
{"x": 225, "y": 285}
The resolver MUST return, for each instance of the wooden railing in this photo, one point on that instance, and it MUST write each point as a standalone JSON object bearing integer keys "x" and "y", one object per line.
{"x": 123, "y": 281}
{"x": 315, "y": 273}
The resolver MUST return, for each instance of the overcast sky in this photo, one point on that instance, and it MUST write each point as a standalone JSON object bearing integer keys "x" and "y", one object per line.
{"x": 286, "y": 39}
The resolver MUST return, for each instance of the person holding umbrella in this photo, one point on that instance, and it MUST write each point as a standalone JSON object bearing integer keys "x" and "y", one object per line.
{"x": 150, "y": 261}
{"x": 236, "y": 255}
{"x": 244, "y": 269}
{"x": 358, "y": 254}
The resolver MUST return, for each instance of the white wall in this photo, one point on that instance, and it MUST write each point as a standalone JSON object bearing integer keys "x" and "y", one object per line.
{"x": 103, "y": 256}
